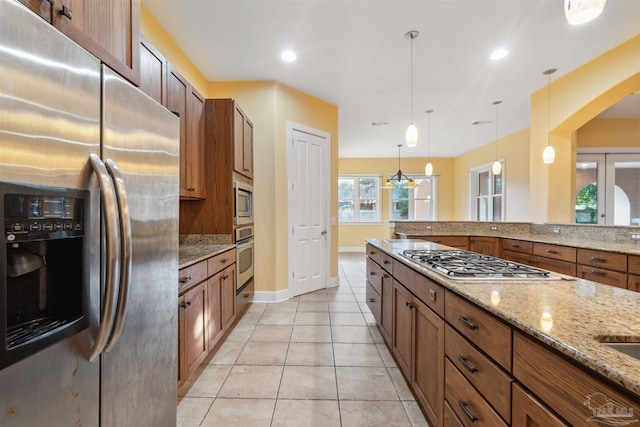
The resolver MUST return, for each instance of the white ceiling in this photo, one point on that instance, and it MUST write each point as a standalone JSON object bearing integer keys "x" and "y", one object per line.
{"x": 353, "y": 53}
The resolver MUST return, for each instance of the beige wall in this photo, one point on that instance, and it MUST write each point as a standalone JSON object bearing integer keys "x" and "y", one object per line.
{"x": 353, "y": 235}
{"x": 609, "y": 133}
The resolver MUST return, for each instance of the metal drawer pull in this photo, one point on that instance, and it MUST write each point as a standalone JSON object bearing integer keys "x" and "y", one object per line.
{"x": 515, "y": 245}
{"x": 372, "y": 253}
{"x": 409, "y": 304}
{"x": 469, "y": 367}
{"x": 247, "y": 295}
{"x": 599, "y": 273}
{"x": 66, "y": 11}
{"x": 386, "y": 262}
{"x": 552, "y": 251}
{"x": 385, "y": 275}
{"x": 432, "y": 295}
{"x": 372, "y": 300}
{"x": 224, "y": 261}
{"x": 470, "y": 416}
{"x": 596, "y": 259}
{"x": 372, "y": 273}
{"x": 184, "y": 280}
{"x": 466, "y": 322}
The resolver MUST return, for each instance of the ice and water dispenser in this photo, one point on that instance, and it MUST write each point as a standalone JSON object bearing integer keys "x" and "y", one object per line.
{"x": 44, "y": 294}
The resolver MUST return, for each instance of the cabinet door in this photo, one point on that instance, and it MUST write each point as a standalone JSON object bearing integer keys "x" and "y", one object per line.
{"x": 600, "y": 275}
{"x": 528, "y": 412}
{"x": 242, "y": 143}
{"x": 484, "y": 245}
{"x": 428, "y": 360}
{"x": 214, "y": 308}
{"x": 228, "y": 284}
{"x": 564, "y": 267}
{"x": 386, "y": 315}
{"x": 194, "y": 162}
{"x": 108, "y": 29}
{"x": 176, "y": 102}
{"x": 633, "y": 283}
{"x": 40, "y": 7}
{"x": 402, "y": 305}
{"x": 247, "y": 149}
{"x": 182, "y": 363}
{"x": 196, "y": 345}
{"x": 153, "y": 72}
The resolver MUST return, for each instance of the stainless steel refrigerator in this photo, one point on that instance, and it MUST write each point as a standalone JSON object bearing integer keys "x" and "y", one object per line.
{"x": 67, "y": 121}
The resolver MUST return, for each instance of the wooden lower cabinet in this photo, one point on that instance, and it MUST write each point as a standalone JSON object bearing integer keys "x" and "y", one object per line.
{"x": 449, "y": 418}
{"x": 427, "y": 376}
{"x": 459, "y": 242}
{"x": 527, "y": 411}
{"x": 214, "y": 287}
{"x": 193, "y": 344}
{"x": 633, "y": 283}
{"x": 402, "y": 304}
{"x": 386, "y": 311}
{"x": 562, "y": 267}
{"x": 228, "y": 287}
{"x": 601, "y": 275}
{"x": 484, "y": 245}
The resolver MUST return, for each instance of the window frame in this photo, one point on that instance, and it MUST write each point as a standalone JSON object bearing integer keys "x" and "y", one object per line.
{"x": 378, "y": 199}
{"x": 433, "y": 179}
{"x": 474, "y": 175}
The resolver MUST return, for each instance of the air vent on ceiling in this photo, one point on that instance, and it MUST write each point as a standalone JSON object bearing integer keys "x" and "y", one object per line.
{"x": 377, "y": 124}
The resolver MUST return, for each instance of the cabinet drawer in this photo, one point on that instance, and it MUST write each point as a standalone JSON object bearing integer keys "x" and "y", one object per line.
{"x": 515, "y": 245}
{"x": 564, "y": 387}
{"x": 490, "y": 334}
{"x": 562, "y": 253}
{"x": 601, "y": 259}
{"x": 600, "y": 275}
{"x": 633, "y": 283}
{"x": 487, "y": 378}
{"x": 386, "y": 262}
{"x": 221, "y": 261}
{"x": 466, "y": 402}
{"x": 427, "y": 291}
{"x": 374, "y": 302}
{"x": 520, "y": 257}
{"x": 527, "y": 411}
{"x": 450, "y": 419}
{"x": 374, "y": 275}
{"x": 564, "y": 267}
{"x": 634, "y": 264}
{"x": 460, "y": 242}
{"x": 191, "y": 275}
{"x": 374, "y": 253}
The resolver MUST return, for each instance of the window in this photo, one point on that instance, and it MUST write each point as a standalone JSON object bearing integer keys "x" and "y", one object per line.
{"x": 487, "y": 199}
{"x": 415, "y": 203}
{"x": 358, "y": 199}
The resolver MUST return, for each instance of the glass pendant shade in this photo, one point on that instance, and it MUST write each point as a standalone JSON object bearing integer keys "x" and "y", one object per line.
{"x": 428, "y": 169}
{"x": 412, "y": 136}
{"x": 549, "y": 154}
{"x": 496, "y": 168}
{"x": 580, "y": 11}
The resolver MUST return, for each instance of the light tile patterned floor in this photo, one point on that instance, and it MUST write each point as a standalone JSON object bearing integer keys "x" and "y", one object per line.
{"x": 315, "y": 360}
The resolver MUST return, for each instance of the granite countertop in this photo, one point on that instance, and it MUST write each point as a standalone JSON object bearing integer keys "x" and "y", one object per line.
{"x": 578, "y": 314}
{"x": 628, "y": 248}
{"x": 191, "y": 253}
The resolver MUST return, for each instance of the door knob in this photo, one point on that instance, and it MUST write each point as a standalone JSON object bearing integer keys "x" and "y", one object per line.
{"x": 323, "y": 232}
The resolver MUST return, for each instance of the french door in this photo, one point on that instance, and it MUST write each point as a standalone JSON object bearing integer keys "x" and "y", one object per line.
{"x": 608, "y": 189}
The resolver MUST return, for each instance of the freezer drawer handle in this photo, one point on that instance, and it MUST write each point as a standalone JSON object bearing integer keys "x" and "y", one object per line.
{"x": 112, "y": 254}
{"x": 125, "y": 253}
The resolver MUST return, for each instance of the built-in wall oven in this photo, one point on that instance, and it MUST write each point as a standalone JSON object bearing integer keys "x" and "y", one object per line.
{"x": 243, "y": 212}
{"x": 244, "y": 256}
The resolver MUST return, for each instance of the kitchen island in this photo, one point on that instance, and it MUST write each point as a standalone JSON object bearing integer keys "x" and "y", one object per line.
{"x": 548, "y": 338}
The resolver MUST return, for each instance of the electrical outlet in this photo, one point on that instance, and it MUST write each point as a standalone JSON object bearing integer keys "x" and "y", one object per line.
{"x": 494, "y": 228}
{"x": 427, "y": 227}
{"x": 635, "y": 236}
{"x": 556, "y": 231}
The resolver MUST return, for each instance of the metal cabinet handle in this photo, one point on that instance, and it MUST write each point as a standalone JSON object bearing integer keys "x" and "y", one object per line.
{"x": 372, "y": 273}
{"x": 598, "y": 273}
{"x": 596, "y": 259}
{"x": 225, "y": 277}
{"x": 466, "y": 322}
{"x": 112, "y": 233}
{"x": 470, "y": 416}
{"x": 410, "y": 305}
{"x": 552, "y": 251}
{"x": 51, "y": 1}
{"x": 372, "y": 253}
{"x": 66, "y": 11}
{"x": 184, "y": 280}
{"x": 432, "y": 295}
{"x": 247, "y": 295}
{"x": 126, "y": 248}
{"x": 468, "y": 366}
{"x": 385, "y": 275}
{"x": 224, "y": 261}
{"x": 386, "y": 262}
{"x": 372, "y": 300}
{"x": 515, "y": 245}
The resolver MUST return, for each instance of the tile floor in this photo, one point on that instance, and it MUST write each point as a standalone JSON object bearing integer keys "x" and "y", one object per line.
{"x": 315, "y": 360}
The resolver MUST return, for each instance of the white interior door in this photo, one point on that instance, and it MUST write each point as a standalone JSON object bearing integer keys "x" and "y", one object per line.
{"x": 623, "y": 189}
{"x": 308, "y": 209}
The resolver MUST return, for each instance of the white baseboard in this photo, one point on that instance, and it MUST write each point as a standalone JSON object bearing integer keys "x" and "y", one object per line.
{"x": 333, "y": 281}
{"x": 351, "y": 249}
{"x": 285, "y": 294}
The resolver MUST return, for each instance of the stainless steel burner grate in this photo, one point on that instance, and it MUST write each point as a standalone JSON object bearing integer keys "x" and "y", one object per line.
{"x": 470, "y": 265}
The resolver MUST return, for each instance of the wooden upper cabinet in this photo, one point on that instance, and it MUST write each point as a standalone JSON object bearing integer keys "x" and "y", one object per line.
{"x": 242, "y": 143}
{"x": 108, "y": 29}
{"x": 184, "y": 101}
{"x": 44, "y": 8}
{"x": 153, "y": 72}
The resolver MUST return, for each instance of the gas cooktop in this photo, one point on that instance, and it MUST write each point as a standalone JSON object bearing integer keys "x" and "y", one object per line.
{"x": 459, "y": 264}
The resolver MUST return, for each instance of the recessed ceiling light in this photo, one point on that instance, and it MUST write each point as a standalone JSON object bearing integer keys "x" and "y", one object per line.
{"x": 499, "y": 54}
{"x": 288, "y": 56}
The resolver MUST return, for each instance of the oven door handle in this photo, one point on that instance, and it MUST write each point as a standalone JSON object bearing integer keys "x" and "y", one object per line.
{"x": 109, "y": 206}
{"x": 125, "y": 253}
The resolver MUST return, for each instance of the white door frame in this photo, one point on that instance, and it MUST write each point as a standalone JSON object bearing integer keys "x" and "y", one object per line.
{"x": 291, "y": 127}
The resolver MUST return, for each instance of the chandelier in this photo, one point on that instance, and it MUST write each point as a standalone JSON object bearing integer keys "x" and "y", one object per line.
{"x": 399, "y": 179}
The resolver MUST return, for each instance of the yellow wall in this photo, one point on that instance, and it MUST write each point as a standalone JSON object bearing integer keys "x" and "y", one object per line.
{"x": 514, "y": 149}
{"x": 610, "y": 133}
{"x": 576, "y": 98}
{"x": 353, "y": 235}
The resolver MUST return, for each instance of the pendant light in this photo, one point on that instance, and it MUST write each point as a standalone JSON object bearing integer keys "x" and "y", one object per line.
{"x": 549, "y": 154}
{"x": 497, "y": 166}
{"x": 399, "y": 178}
{"x": 428, "y": 169}
{"x": 411, "y": 137}
{"x": 580, "y": 11}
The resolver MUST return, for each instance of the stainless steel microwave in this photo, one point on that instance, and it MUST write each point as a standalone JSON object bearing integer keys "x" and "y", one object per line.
{"x": 243, "y": 203}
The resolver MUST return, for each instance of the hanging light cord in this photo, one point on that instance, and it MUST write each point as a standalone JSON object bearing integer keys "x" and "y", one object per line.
{"x": 497, "y": 103}
{"x": 549, "y": 72}
{"x": 429, "y": 134}
{"x": 411, "y": 80}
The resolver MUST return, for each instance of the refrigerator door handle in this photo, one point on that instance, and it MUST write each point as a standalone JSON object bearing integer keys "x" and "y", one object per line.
{"x": 109, "y": 207}
{"x": 125, "y": 253}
